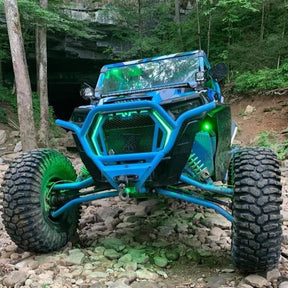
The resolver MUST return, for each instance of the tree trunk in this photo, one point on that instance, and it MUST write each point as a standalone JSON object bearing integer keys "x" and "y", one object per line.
{"x": 209, "y": 34}
{"x": 1, "y": 74}
{"x": 282, "y": 39}
{"x": 42, "y": 85}
{"x": 262, "y": 21}
{"x": 177, "y": 20}
{"x": 37, "y": 55}
{"x": 22, "y": 79}
{"x": 198, "y": 25}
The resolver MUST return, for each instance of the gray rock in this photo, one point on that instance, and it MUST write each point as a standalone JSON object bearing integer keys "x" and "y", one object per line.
{"x": 15, "y": 278}
{"x": 139, "y": 256}
{"x": 285, "y": 163}
{"x": 130, "y": 266}
{"x": 3, "y": 137}
{"x": 112, "y": 254}
{"x": 14, "y": 134}
{"x": 96, "y": 275}
{"x": 96, "y": 285}
{"x": 145, "y": 284}
{"x": 216, "y": 231}
{"x": 75, "y": 257}
{"x": 105, "y": 212}
{"x": 172, "y": 255}
{"x": 18, "y": 147}
{"x": 273, "y": 275}
{"x": 284, "y": 284}
{"x": 215, "y": 219}
{"x": 149, "y": 205}
{"x": 113, "y": 243}
{"x": 249, "y": 109}
{"x": 125, "y": 258}
{"x": 144, "y": 274}
{"x": 130, "y": 275}
{"x": 285, "y": 237}
{"x": 256, "y": 281}
{"x": 120, "y": 283}
{"x": 160, "y": 261}
{"x": 285, "y": 215}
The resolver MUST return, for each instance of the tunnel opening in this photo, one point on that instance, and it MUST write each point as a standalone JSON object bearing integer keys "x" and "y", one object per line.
{"x": 65, "y": 77}
{"x": 64, "y": 98}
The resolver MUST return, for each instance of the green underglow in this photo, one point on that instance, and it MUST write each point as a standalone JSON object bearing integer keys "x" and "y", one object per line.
{"x": 167, "y": 128}
{"x": 130, "y": 190}
{"x": 95, "y": 134}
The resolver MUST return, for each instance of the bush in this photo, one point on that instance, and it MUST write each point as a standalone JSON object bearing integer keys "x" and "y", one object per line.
{"x": 264, "y": 79}
{"x": 3, "y": 116}
{"x": 270, "y": 140}
{"x": 6, "y": 96}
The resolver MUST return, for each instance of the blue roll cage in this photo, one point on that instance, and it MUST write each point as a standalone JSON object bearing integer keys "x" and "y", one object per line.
{"x": 151, "y": 159}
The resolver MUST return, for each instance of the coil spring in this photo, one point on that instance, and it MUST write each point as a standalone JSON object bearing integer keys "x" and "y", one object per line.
{"x": 196, "y": 165}
{"x": 84, "y": 171}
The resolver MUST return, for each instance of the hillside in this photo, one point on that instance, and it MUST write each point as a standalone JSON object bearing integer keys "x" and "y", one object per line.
{"x": 270, "y": 113}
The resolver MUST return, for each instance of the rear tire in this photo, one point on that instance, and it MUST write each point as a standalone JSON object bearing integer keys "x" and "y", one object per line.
{"x": 26, "y": 210}
{"x": 256, "y": 207}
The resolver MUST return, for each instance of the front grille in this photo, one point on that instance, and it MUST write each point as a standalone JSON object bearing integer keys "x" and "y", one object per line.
{"x": 133, "y": 135}
{"x": 125, "y": 132}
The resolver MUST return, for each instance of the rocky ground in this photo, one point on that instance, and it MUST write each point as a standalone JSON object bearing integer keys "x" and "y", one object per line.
{"x": 156, "y": 243}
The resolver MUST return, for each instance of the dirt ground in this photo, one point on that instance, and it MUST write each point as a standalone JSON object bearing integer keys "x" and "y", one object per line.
{"x": 270, "y": 113}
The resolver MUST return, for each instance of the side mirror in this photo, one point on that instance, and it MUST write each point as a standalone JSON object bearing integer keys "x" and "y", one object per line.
{"x": 87, "y": 92}
{"x": 218, "y": 72}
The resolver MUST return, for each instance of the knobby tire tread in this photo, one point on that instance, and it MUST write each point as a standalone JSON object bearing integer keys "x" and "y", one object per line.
{"x": 22, "y": 214}
{"x": 257, "y": 225}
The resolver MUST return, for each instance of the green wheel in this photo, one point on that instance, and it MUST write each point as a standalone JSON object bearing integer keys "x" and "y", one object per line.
{"x": 256, "y": 207}
{"x": 26, "y": 190}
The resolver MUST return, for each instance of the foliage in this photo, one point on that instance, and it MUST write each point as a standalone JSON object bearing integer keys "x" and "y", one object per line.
{"x": 230, "y": 31}
{"x": 6, "y": 96}
{"x": 3, "y": 116}
{"x": 262, "y": 80}
{"x": 269, "y": 139}
{"x": 54, "y": 129}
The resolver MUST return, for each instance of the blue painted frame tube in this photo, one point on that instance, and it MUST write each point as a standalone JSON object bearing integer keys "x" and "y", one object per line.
{"x": 75, "y": 185}
{"x": 197, "y": 201}
{"x": 143, "y": 171}
{"x": 76, "y": 201}
{"x": 207, "y": 187}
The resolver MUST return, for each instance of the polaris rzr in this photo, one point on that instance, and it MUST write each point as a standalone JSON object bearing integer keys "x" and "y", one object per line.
{"x": 154, "y": 127}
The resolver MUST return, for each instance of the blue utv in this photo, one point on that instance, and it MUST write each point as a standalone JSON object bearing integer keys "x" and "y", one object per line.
{"x": 154, "y": 127}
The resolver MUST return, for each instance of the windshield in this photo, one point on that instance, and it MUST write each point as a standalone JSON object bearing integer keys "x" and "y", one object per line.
{"x": 148, "y": 75}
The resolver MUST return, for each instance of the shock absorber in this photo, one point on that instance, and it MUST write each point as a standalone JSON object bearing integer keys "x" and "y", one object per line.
{"x": 122, "y": 184}
{"x": 197, "y": 169}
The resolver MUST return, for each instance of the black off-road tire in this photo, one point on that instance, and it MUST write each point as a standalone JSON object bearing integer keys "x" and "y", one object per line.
{"x": 26, "y": 211}
{"x": 256, "y": 207}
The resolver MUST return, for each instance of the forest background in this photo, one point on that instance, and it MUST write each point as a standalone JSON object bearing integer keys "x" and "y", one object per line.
{"x": 249, "y": 36}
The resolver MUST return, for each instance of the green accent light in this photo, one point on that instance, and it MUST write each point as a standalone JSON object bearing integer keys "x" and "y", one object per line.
{"x": 207, "y": 126}
{"x": 167, "y": 128}
{"x": 126, "y": 114}
{"x": 95, "y": 133}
